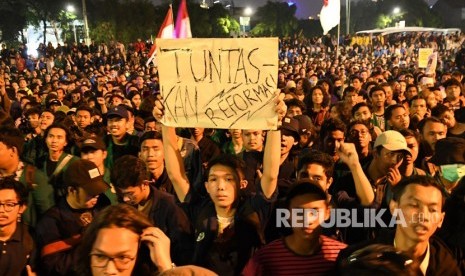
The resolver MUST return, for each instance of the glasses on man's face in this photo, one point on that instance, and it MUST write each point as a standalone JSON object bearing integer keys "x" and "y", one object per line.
{"x": 357, "y": 133}
{"x": 121, "y": 262}
{"x": 9, "y": 206}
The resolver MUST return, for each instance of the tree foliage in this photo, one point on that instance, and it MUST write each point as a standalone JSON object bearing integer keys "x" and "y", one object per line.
{"x": 12, "y": 19}
{"x": 276, "y": 19}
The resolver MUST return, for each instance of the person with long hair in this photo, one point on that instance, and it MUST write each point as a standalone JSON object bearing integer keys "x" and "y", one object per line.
{"x": 317, "y": 102}
{"x": 122, "y": 241}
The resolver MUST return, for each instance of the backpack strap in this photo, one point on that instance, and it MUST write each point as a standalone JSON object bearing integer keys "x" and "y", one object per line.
{"x": 29, "y": 176}
{"x": 62, "y": 164}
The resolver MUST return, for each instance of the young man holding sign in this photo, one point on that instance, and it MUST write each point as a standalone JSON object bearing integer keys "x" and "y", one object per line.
{"x": 228, "y": 226}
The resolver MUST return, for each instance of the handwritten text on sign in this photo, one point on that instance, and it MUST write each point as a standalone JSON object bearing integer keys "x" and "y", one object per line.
{"x": 219, "y": 83}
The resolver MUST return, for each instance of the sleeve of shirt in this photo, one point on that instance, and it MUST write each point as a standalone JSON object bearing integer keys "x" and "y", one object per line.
{"x": 60, "y": 262}
{"x": 42, "y": 193}
{"x": 253, "y": 267}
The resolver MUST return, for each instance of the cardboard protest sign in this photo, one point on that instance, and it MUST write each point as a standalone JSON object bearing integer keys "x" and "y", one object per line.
{"x": 423, "y": 55}
{"x": 432, "y": 64}
{"x": 219, "y": 83}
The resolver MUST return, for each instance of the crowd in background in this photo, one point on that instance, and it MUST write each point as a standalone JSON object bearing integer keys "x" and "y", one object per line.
{"x": 362, "y": 128}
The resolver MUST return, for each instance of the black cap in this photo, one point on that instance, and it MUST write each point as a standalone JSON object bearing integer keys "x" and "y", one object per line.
{"x": 290, "y": 127}
{"x": 85, "y": 174}
{"x": 118, "y": 111}
{"x": 449, "y": 150}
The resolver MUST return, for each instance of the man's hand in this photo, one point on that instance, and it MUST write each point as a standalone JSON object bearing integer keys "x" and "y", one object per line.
{"x": 159, "y": 246}
{"x": 101, "y": 101}
{"x": 394, "y": 176}
{"x": 348, "y": 154}
{"x": 281, "y": 108}
{"x": 159, "y": 110}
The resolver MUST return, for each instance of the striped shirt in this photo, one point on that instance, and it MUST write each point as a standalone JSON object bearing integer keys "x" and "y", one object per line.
{"x": 277, "y": 259}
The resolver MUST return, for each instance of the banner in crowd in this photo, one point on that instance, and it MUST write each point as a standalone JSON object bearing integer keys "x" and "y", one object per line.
{"x": 423, "y": 56}
{"x": 219, "y": 83}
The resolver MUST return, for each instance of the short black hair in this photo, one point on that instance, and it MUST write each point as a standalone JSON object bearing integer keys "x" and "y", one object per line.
{"x": 439, "y": 109}
{"x": 320, "y": 158}
{"x": 390, "y": 109}
{"x": 423, "y": 180}
{"x": 377, "y": 88}
{"x": 85, "y": 108}
{"x": 330, "y": 125}
{"x": 20, "y": 189}
{"x": 128, "y": 171}
{"x": 359, "y": 105}
{"x": 296, "y": 102}
{"x": 12, "y": 137}
{"x": 150, "y": 135}
{"x": 426, "y": 120}
{"x": 304, "y": 187}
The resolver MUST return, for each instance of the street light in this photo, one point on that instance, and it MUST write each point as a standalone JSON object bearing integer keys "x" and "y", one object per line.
{"x": 248, "y": 11}
{"x": 396, "y": 10}
{"x": 71, "y": 9}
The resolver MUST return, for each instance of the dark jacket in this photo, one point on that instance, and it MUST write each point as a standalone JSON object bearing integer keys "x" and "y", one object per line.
{"x": 228, "y": 253}
{"x": 169, "y": 217}
{"x": 441, "y": 260}
{"x": 58, "y": 233}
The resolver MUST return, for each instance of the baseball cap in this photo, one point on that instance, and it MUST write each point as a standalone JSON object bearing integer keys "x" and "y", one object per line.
{"x": 54, "y": 102}
{"x": 93, "y": 143}
{"x": 71, "y": 111}
{"x": 392, "y": 140}
{"x": 449, "y": 150}
{"x": 85, "y": 174}
{"x": 118, "y": 111}
{"x": 290, "y": 127}
{"x": 305, "y": 123}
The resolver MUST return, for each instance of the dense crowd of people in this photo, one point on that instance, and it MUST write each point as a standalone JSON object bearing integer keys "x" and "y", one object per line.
{"x": 92, "y": 183}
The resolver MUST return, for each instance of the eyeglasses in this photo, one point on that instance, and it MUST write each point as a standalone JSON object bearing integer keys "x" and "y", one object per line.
{"x": 121, "y": 262}
{"x": 356, "y": 133}
{"x": 9, "y": 206}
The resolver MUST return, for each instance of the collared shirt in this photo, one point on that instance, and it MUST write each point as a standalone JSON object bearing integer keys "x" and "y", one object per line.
{"x": 16, "y": 252}
{"x": 424, "y": 264}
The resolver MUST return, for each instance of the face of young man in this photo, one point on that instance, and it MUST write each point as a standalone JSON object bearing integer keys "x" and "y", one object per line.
{"x": 448, "y": 118}
{"x": 363, "y": 114}
{"x": 360, "y": 136}
{"x": 80, "y": 199}
{"x": 134, "y": 195}
{"x": 222, "y": 186}
{"x": 453, "y": 92}
{"x": 432, "y": 132}
{"x": 117, "y": 126}
{"x": 119, "y": 243}
{"x": 421, "y": 207}
{"x": 293, "y": 111}
{"x": 378, "y": 98}
{"x": 386, "y": 159}
{"x": 46, "y": 119}
{"x": 316, "y": 211}
{"x": 413, "y": 145}
{"x": 253, "y": 140}
{"x": 83, "y": 118}
{"x": 399, "y": 119}
{"x": 9, "y": 199}
{"x": 332, "y": 141}
{"x": 287, "y": 142}
{"x": 152, "y": 154}
{"x": 97, "y": 156}
{"x": 56, "y": 139}
{"x": 315, "y": 172}
{"x": 418, "y": 107}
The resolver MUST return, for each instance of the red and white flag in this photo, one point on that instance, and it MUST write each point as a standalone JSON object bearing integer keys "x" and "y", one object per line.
{"x": 330, "y": 15}
{"x": 166, "y": 31}
{"x": 183, "y": 25}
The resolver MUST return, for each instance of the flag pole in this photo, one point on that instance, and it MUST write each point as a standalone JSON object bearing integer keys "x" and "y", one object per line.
{"x": 338, "y": 34}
